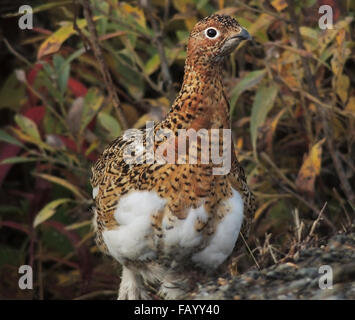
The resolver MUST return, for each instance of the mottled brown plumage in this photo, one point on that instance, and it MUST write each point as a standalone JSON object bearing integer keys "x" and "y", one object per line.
{"x": 189, "y": 198}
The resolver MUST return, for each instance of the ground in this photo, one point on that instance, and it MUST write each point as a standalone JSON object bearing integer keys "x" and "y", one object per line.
{"x": 298, "y": 279}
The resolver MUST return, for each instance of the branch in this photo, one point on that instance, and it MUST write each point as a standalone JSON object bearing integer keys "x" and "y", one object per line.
{"x": 314, "y": 92}
{"x": 95, "y": 46}
{"x": 158, "y": 41}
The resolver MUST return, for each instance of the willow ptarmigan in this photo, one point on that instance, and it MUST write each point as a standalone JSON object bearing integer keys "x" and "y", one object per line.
{"x": 166, "y": 215}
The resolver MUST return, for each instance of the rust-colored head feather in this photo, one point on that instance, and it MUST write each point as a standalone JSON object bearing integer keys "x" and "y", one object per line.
{"x": 214, "y": 37}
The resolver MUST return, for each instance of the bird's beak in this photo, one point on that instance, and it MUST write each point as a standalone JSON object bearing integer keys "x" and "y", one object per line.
{"x": 243, "y": 35}
{"x": 232, "y": 42}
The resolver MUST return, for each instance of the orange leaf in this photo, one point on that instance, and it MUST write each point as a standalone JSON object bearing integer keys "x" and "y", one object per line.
{"x": 54, "y": 41}
{"x": 279, "y": 5}
{"x": 310, "y": 169}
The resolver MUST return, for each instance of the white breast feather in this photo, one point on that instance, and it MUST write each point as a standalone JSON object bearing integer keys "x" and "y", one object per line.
{"x": 225, "y": 237}
{"x": 184, "y": 233}
{"x": 133, "y": 216}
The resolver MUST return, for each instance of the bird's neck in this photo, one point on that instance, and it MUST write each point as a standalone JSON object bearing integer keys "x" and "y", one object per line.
{"x": 201, "y": 102}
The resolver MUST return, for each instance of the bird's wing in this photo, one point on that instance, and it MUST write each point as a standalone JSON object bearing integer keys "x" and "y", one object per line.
{"x": 111, "y": 178}
{"x": 238, "y": 181}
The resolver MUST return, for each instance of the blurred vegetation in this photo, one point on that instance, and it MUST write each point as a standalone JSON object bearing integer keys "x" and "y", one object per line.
{"x": 292, "y": 105}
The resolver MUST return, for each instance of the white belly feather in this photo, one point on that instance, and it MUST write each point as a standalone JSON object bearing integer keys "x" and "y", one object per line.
{"x": 225, "y": 237}
{"x": 133, "y": 215}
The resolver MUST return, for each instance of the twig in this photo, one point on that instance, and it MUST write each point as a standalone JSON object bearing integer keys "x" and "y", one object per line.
{"x": 314, "y": 92}
{"x": 250, "y": 252}
{"x": 316, "y": 221}
{"x": 158, "y": 41}
{"x": 277, "y": 170}
{"x": 299, "y": 224}
{"x": 311, "y": 206}
{"x": 292, "y": 185}
{"x": 95, "y": 46}
{"x": 15, "y": 53}
{"x": 86, "y": 41}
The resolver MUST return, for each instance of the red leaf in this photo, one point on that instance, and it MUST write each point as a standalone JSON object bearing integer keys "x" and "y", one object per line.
{"x": 31, "y": 77}
{"x": 77, "y": 87}
{"x": 14, "y": 225}
{"x": 36, "y": 114}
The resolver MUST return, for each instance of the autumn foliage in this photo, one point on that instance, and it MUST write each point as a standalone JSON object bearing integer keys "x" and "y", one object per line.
{"x": 292, "y": 99}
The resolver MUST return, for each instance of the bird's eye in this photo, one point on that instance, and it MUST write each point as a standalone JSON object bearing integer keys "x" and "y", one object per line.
{"x": 211, "y": 33}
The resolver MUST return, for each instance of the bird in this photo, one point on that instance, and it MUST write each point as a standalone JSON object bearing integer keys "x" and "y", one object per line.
{"x": 168, "y": 219}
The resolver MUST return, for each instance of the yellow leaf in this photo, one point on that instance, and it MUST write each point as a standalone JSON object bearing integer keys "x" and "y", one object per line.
{"x": 93, "y": 146}
{"x": 68, "y": 278}
{"x": 276, "y": 120}
{"x": 342, "y": 87}
{"x": 350, "y": 107}
{"x": 141, "y": 122}
{"x": 78, "y": 225}
{"x": 55, "y": 40}
{"x": 152, "y": 65}
{"x": 190, "y": 22}
{"x": 61, "y": 182}
{"x": 92, "y": 103}
{"x": 47, "y": 211}
{"x": 220, "y": 4}
{"x": 28, "y": 126}
{"x": 239, "y": 144}
{"x": 310, "y": 169}
{"x": 260, "y": 25}
{"x": 183, "y": 5}
{"x": 135, "y": 12}
{"x": 279, "y": 5}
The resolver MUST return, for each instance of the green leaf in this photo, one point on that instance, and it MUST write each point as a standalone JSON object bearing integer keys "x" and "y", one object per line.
{"x": 28, "y": 126}
{"x": 152, "y": 65}
{"x": 12, "y": 93}
{"x": 249, "y": 81}
{"x": 48, "y": 211}
{"x": 92, "y": 103}
{"x": 4, "y": 136}
{"x": 263, "y": 102}
{"x": 11, "y": 256}
{"x": 62, "y": 68}
{"x": 64, "y": 183}
{"x": 110, "y": 124}
{"x": 14, "y": 160}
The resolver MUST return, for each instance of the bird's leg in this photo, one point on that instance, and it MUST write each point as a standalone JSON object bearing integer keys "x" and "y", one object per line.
{"x": 132, "y": 286}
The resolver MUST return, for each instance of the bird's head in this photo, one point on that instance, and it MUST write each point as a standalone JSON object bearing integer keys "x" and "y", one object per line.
{"x": 215, "y": 37}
